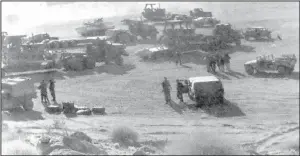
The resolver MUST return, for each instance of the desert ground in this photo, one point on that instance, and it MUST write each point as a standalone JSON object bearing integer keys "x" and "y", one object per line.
{"x": 261, "y": 115}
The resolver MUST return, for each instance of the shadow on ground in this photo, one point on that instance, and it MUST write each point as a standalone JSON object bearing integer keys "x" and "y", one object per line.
{"x": 262, "y": 40}
{"x": 21, "y": 115}
{"x": 294, "y": 75}
{"x": 228, "y": 109}
{"x": 241, "y": 48}
{"x": 109, "y": 69}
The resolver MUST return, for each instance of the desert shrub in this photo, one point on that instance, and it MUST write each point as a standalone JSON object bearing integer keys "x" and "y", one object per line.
{"x": 124, "y": 135}
{"x": 18, "y": 147}
{"x": 203, "y": 144}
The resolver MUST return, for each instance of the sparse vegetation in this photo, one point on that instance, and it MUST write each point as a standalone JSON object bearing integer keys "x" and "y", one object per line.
{"x": 204, "y": 144}
{"x": 124, "y": 135}
{"x": 18, "y": 147}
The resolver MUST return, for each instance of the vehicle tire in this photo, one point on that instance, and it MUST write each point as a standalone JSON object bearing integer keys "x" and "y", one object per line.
{"x": 199, "y": 102}
{"x": 282, "y": 70}
{"x": 249, "y": 70}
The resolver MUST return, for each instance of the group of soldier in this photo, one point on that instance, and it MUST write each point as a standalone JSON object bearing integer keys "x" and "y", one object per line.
{"x": 44, "y": 93}
{"x": 212, "y": 61}
{"x": 219, "y": 60}
{"x": 167, "y": 90}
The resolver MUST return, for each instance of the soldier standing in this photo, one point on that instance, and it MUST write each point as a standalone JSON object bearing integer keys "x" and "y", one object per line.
{"x": 179, "y": 90}
{"x": 178, "y": 58}
{"x": 167, "y": 90}
{"x": 51, "y": 88}
{"x": 44, "y": 95}
{"x": 227, "y": 62}
{"x": 208, "y": 62}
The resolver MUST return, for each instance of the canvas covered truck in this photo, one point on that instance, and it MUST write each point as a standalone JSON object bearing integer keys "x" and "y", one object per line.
{"x": 284, "y": 64}
{"x": 204, "y": 90}
{"x": 17, "y": 92}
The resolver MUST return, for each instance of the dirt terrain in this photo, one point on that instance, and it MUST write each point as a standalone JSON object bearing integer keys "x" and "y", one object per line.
{"x": 261, "y": 114}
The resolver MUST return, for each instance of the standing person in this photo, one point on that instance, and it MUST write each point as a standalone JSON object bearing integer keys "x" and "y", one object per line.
{"x": 167, "y": 90}
{"x": 213, "y": 63}
{"x": 221, "y": 62}
{"x": 44, "y": 95}
{"x": 51, "y": 88}
{"x": 178, "y": 58}
{"x": 227, "y": 62}
{"x": 180, "y": 87}
{"x": 208, "y": 63}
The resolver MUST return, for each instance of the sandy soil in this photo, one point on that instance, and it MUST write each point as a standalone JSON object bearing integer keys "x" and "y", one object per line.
{"x": 262, "y": 112}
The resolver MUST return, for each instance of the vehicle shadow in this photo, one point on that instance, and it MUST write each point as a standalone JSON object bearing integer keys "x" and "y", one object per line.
{"x": 294, "y": 75}
{"x": 106, "y": 68}
{"x": 227, "y": 109}
{"x": 235, "y": 74}
{"x": 262, "y": 40}
{"x": 241, "y": 48}
{"x": 21, "y": 115}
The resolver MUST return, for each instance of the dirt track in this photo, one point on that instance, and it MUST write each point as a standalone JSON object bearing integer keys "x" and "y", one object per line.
{"x": 260, "y": 109}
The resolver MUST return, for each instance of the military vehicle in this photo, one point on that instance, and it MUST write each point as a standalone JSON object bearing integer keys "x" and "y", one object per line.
{"x": 154, "y": 14}
{"x": 77, "y": 61}
{"x": 178, "y": 34}
{"x": 120, "y": 36}
{"x": 17, "y": 92}
{"x": 257, "y": 33}
{"x": 198, "y": 12}
{"x": 207, "y": 22}
{"x": 153, "y": 53}
{"x": 94, "y": 28}
{"x": 139, "y": 28}
{"x": 224, "y": 34}
{"x": 284, "y": 64}
{"x": 106, "y": 51}
{"x": 205, "y": 90}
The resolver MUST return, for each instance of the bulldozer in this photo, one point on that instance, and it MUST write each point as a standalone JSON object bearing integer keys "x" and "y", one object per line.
{"x": 198, "y": 12}
{"x": 154, "y": 14}
{"x": 106, "y": 51}
{"x": 17, "y": 92}
{"x": 182, "y": 38}
{"x": 139, "y": 28}
{"x": 120, "y": 36}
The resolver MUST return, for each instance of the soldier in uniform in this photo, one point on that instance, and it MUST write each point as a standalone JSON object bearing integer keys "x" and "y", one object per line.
{"x": 207, "y": 61}
{"x": 167, "y": 90}
{"x": 227, "y": 62}
{"x": 178, "y": 58}
{"x": 180, "y": 87}
{"x": 51, "y": 88}
{"x": 44, "y": 95}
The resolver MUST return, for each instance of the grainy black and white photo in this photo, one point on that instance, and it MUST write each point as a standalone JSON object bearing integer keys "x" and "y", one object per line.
{"x": 149, "y": 78}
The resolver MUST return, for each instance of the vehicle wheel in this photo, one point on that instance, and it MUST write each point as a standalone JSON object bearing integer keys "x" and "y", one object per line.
{"x": 249, "y": 70}
{"x": 199, "y": 102}
{"x": 282, "y": 70}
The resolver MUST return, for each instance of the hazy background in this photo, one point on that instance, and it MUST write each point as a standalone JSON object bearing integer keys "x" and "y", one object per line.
{"x": 61, "y": 18}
